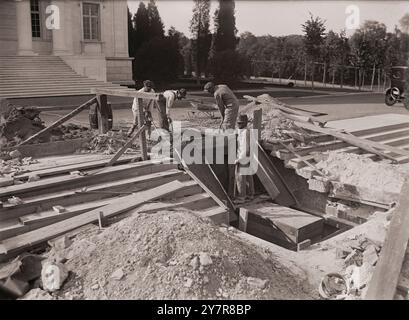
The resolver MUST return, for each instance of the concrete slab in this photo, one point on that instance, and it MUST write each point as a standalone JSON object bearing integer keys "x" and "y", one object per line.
{"x": 369, "y": 122}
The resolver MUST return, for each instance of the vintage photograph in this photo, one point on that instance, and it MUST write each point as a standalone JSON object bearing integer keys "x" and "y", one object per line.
{"x": 214, "y": 150}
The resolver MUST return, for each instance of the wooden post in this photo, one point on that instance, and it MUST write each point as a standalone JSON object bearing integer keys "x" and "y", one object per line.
{"x": 142, "y": 136}
{"x": 243, "y": 218}
{"x": 257, "y": 122}
{"x": 103, "y": 111}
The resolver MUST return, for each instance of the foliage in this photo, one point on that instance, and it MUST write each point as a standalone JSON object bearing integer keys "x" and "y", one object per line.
{"x": 225, "y": 26}
{"x": 229, "y": 65}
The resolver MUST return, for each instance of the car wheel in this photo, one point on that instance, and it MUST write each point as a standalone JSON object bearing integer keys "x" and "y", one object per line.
{"x": 389, "y": 100}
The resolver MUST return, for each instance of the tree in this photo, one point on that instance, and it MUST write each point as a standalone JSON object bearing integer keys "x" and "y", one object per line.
{"x": 314, "y": 31}
{"x": 131, "y": 35}
{"x": 404, "y": 23}
{"x": 141, "y": 27}
{"x": 225, "y": 26}
{"x": 156, "y": 28}
{"x": 199, "y": 27}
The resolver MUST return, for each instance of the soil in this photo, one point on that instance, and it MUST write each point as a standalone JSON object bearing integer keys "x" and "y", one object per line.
{"x": 174, "y": 255}
{"x": 357, "y": 170}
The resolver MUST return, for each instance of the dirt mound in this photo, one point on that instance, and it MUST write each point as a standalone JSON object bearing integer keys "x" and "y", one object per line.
{"x": 174, "y": 255}
{"x": 360, "y": 171}
{"x": 108, "y": 143}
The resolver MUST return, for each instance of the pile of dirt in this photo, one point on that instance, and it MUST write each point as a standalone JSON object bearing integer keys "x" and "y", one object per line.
{"x": 12, "y": 167}
{"x": 19, "y": 123}
{"x": 174, "y": 255}
{"x": 358, "y": 170}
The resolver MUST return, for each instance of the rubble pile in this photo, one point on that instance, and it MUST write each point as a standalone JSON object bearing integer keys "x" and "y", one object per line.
{"x": 13, "y": 164}
{"x": 108, "y": 143}
{"x": 275, "y": 126}
{"x": 171, "y": 255}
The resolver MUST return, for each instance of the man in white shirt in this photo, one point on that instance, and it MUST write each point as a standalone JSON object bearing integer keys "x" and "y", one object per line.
{"x": 147, "y": 87}
{"x": 171, "y": 96}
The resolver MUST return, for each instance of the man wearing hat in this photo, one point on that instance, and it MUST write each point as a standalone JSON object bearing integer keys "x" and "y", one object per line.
{"x": 171, "y": 96}
{"x": 244, "y": 182}
{"x": 227, "y": 103}
{"x": 147, "y": 87}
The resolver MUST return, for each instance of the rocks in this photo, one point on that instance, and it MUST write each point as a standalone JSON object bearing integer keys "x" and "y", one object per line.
{"x": 195, "y": 263}
{"x": 53, "y": 275}
{"x": 37, "y": 294}
{"x": 118, "y": 274}
{"x": 15, "y": 154}
{"x": 205, "y": 259}
{"x": 33, "y": 177}
{"x": 256, "y": 283}
{"x": 15, "y": 201}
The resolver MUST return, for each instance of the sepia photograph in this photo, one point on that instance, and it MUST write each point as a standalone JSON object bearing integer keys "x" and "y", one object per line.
{"x": 204, "y": 156}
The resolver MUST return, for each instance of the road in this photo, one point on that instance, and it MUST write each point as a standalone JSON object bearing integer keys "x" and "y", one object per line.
{"x": 336, "y": 106}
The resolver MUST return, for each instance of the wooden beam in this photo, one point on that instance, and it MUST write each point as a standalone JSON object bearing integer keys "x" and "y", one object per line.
{"x": 103, "y": 125}
{"x": 258, "y": 122}
{"x": 60, "y": 121}
{"x": 126, "y": 146}
{"x": 15, "y": 245}
{"x": 355, "y": 141}
{"x": 142, "y": 135}
{"x": 384, "y": 281}
{"x": 272, "y": 179}
{"x": 126, "y": 93}
{"x": 243, "y": 219}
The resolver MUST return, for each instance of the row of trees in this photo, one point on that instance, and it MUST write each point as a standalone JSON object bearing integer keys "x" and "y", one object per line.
{"x": 329, "y": 56}
{"x": 165, "y": 57}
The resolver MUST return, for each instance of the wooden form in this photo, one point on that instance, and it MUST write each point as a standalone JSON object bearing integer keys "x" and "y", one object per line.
{"x": 272, "y": 180}
{"x": 60, "y": 121}
{"x": 369, "y": 146}
{"x": 281, "y": 225}
{"x": 384, "y": 281}
{"x": 15, "y": 245}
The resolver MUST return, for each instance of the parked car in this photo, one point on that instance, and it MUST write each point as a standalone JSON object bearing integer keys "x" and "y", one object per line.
{"x": 399, "y": 86}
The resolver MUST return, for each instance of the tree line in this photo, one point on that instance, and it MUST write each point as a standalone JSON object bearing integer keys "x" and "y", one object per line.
{"x": 167, "y": 56}
{"x": 327, "y": 56}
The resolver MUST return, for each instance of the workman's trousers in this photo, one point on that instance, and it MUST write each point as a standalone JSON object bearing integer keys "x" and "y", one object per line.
{"x": 230, "y": 116}
{"x": 244, "y": 186}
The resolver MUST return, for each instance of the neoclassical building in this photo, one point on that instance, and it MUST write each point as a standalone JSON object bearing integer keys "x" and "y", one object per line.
{"x": 90, "y": 36}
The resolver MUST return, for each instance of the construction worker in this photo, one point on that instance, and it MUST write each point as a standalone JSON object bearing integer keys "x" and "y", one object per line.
{"x": 147, "y": 87}
{"x": 244, "y": 182}
{"x": 227, "y": 103}
{"x": 171, "y": 96}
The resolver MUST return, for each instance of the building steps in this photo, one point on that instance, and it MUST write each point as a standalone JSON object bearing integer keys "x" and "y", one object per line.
{"x": 43, "y": 76}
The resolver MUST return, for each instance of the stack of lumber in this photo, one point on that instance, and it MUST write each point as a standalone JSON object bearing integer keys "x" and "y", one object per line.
{"x": 68, "y": 197}
{"x": 374, "y": 137}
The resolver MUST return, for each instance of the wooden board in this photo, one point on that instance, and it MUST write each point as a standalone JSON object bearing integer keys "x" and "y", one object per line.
{"x": 282, "y": 225}
{"x": 384, "y": 281}
{"x": 19, "y": 243}
{"x": 126, "y": 93}
{"x": 272, "y": 180}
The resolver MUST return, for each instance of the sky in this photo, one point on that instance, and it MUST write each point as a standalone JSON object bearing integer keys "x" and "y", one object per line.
{"x": 279, "y": 18}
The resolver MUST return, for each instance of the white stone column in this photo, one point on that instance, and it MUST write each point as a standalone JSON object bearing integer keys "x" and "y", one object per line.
{"x": 24, "y": 37}
{"x": 62, "y": 37}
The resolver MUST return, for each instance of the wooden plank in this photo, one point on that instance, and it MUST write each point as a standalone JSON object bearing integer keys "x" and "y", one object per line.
{"x": 364, "y": 144}
{"x": 384, "y": 281}
{"x": 142, "y": 135}
{"x": 64, "y": 169}
{"x": 243, "y": 219}
{"x": 22, "y": 242}
{"x": 98, "y": 191}
{"x": 204, "y": 176}
{"x": 61, "y": 183}
{"x": 103, "y": 125}
{"x": 126, "y": 93}
{"x": 194, "y": 202}
{"x": 257, "y": 122}
{"x": 218, "y": 215}
{"x": 60, "y": 121}
{"x": 272, "y": 180}
{"x": 121, "y": 151}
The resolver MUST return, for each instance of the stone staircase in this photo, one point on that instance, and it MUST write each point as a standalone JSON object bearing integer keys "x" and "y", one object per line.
{"x": 43, "y": 76}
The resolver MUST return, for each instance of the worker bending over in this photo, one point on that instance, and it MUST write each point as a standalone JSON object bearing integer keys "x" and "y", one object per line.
{"x": 244, "y": 182}
{"x": 226, "y": 102}
{"x": 148, "y": 88}
{"x": 171, "y": 96}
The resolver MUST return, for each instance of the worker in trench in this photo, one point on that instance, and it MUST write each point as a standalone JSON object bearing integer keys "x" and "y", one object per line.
{"x": 147, "y": 88}
{"x": 171, "y": 96}
{"x": 244, "y": 183}
{"x": 227, "y": 103}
